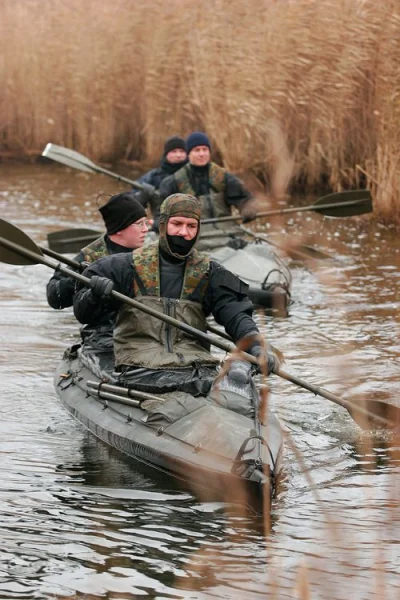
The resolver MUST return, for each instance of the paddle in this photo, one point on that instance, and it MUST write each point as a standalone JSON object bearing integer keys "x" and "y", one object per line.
{"x": 81, "y": 162}
{"x": 17, "y": 248}
{"x": 302, "y": 251}
{"x": 339, "y": 204}
{"x": 71, "y": 240}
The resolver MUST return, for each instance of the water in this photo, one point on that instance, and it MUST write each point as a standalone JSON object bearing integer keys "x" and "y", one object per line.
{"x": 77, "y": 520}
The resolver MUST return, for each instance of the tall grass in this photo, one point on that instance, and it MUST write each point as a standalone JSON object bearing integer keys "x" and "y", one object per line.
{"x": 312, "y": 84}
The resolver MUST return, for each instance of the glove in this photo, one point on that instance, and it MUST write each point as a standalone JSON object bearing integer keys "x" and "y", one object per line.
{"x": 148, "y": 190}
{"x": 240, "y": 371}
{"x": 273, "y": 358}
{"x": 237, "y": 243}
{"x": 249, "y": 216}
{"x": 101, "y": 287}
{"x": 249, "y": 211}
{"x": 83, "y": 265}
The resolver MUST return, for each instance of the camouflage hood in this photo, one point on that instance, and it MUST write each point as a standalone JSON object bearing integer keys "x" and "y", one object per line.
{"x": 182, "y": 205}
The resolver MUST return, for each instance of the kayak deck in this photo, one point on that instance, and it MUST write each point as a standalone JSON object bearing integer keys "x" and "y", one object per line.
{"x": 267, "y": 275}
{"x": 199, "y": 440}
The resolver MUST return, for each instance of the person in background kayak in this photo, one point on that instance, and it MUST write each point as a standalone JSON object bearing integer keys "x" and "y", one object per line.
{"x": 126, "y": 227}
{"x": 217, "y": 189}
{"x": 174, "y": 158}
{"x": 171, "y": 277}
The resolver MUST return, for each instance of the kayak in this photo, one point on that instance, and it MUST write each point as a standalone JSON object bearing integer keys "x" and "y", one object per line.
{"x": 214, "y": 444}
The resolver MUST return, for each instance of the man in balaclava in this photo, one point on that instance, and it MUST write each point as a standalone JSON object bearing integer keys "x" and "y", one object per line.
{"x": 171, "y": 277}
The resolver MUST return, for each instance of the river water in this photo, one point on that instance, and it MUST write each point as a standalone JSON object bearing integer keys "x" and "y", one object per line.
{"x": 77, "y": 520}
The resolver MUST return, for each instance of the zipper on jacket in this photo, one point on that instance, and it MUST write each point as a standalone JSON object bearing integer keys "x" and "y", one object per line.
{"x": 210, "y": 206}
{"x": 168, "y": 333}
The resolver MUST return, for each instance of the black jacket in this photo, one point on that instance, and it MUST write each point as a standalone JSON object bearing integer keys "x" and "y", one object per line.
{"x": 226, "y": 298}
{"x": 61, "y": 288}
{"x": 165, "y": 169}
{"x": 155, "y": 178}
{"x": 235, "y": 192}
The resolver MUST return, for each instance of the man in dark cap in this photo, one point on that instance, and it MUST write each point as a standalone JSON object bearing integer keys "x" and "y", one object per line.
{"x": 171, "y": 277}
{"x": 217, "y": 189}
{"x": 126, "y": 227}
{"x": 174, "y": 158}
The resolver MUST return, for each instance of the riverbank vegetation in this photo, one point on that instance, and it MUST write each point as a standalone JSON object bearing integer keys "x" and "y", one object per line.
{"x": 305, "y": 90}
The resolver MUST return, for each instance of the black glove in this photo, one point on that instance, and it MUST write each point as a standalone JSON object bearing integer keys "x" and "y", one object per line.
{"x": 64, "y": 285}
{"x": 148, "y": 190}
{"x": 101, "y": 287}
{"x": 240, "y": 371}
{"x": 237, "y": 243}
{"x": 273, "y": 360}
{"x": 84, "y": 265}
{"x": 248, "y": 211}
{"x": 248, "y": 216}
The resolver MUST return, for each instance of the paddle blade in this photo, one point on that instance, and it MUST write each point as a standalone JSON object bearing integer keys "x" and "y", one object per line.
{"x": 380, "y": 415}
{"x": 349, "y": 204}
{"x": 304, "y": 253}
{"x": 70, "y": 158}
{"x": 71, "y": 240}
{"x": 10, "y": 233}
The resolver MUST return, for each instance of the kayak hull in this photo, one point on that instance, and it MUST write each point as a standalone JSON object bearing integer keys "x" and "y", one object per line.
{"x": 201, "y": 449}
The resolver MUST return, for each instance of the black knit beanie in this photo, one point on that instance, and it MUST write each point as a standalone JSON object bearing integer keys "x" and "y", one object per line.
{"x": 121, "y": 211}
{"x": 173, "y": 143}
{"x": 197, "y": 138}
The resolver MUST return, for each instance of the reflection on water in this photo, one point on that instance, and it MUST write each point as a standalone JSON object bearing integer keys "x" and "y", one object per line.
{"x": 78, "y": 520}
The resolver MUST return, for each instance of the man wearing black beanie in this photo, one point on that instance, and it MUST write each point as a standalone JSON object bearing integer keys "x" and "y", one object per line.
{"x": 174, "y": 158}
{"x": 126, "y": 227}
{"x": 217, "y": 189}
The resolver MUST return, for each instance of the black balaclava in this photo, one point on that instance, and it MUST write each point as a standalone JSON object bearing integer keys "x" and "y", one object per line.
{"x": 182, "y": 205}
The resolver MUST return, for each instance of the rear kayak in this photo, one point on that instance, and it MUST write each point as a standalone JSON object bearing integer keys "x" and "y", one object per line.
{"x": 215, "y": 444}
{"x": 267, "y": 275}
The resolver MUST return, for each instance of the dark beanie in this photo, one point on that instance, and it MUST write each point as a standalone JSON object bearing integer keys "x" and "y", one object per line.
{"x": 197, "y": 138}
{"x": 173, "y": 143}
{"x": 121, "y": 211}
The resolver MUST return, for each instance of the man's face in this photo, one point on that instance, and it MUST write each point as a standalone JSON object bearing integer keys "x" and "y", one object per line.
{"x": 200, "y": 156}
{"x": 176, "y": 156}
{"x": 132, "y": 236}
{"x": 185, "y": 227}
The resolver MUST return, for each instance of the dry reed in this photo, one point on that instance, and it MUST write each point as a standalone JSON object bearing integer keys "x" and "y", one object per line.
{"x": 114, "y": 79}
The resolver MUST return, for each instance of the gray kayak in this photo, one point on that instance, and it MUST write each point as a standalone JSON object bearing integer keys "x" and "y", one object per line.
{"x": 216, "y": 444}
{"x": 267, "y": 275}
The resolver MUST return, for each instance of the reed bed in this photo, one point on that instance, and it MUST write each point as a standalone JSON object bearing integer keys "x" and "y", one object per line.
{"x": 306, "y": 90}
